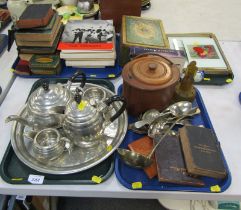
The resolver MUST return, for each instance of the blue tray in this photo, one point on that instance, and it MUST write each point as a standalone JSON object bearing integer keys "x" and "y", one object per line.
{"x": 128, "y": 175}
{"x": 109, "y": 72}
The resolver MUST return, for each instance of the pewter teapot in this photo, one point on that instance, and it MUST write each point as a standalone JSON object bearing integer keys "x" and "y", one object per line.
{"x": 45, "y": 104}
{"x": 84, "y": 123}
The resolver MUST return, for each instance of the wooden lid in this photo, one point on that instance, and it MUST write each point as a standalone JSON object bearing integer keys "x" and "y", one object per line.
{"x": 150, "y": 70}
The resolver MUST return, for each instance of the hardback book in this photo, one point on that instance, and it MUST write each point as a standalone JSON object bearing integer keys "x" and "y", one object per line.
{"x": 88, "y": 55}
{"x": 202, "y": 152}
{"x": 74, "y": 51}
{"x": 45, "y": 64}
{"x": 40, "y": 35}
{"x": 144, "y": 146}
{"x": 44, "y": 61}
{"x": 178, "y": 57}
{"x": 91, "y": 63}
{"x": 40, "y": 29}
{"x": 41, "y": 50}
{"x": 32, "y": 42}
{"x": 142, "y": 32}
{"x": 171, "y": 165}
{"x": 22, "y": 68}
{"x": 88, "y": 35}
{"x": 25, "y": 57}
{"x": 35, "y": 15}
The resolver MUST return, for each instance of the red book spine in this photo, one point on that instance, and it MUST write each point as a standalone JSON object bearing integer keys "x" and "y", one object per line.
{"x": 85, "y": 46}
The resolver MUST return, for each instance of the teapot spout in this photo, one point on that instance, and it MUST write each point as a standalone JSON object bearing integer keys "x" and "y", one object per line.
{"x": 18, "y": 119}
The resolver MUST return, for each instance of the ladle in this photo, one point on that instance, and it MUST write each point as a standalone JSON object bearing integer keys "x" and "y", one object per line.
{"x": 137, "y": 160}
{"x": 176, "y": 109}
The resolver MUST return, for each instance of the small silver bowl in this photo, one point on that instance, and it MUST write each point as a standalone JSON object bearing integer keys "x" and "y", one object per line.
{"x": 48, "y": 144}
{"x": 94, "y": 95}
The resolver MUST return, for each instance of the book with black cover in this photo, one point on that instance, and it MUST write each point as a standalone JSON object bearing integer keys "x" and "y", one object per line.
{"x": 202, "y": 152}
{"x": 35, "y": 15}
{"x": 171, "y": 165}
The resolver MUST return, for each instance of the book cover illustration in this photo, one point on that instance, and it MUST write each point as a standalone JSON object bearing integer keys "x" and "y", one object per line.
{"x": 142, "y": 31}
{"x": 88, "y": 31}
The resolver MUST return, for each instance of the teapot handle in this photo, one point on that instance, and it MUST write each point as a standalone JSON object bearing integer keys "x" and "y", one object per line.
{"x": 112, "y": 99}
{"x": 74, "y": 77}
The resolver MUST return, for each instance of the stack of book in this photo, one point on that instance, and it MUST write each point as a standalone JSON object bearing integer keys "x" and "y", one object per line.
{"x": 38, "y": 32}
{"x": 88, "y": 43}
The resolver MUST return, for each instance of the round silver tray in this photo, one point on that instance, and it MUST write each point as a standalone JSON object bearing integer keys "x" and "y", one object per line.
{"x": 79, "y": 159}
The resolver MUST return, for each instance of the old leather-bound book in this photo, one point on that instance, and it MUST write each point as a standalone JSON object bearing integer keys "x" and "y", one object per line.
{"x": 35, "y": 15}
{"x": 202, "y": 152}
{"x": 40, "y": 43}
{"x": 46, "y": 33}
{"x": 41, "y": 50}
{"x": 171, "y": 165}
{"x": 143, "y": 146}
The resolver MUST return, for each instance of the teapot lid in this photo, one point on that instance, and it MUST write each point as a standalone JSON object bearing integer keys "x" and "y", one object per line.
{"x": 79, "y": 110}
{"x": 150, "y": 71}
{"x": 47, "y": 97}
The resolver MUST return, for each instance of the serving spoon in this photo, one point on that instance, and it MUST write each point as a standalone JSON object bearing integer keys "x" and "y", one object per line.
{"x": 176, "y": 109}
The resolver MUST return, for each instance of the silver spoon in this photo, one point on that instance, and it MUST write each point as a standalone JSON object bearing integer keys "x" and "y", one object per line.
{"x": 147, "y": 118}
{"x": 137, "y": 160}
{"x": 160, "y": 125}
{"x": 176, "y": 109}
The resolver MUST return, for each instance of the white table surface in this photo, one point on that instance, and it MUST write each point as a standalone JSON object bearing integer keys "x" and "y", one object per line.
{"x": 6, "y": 61}
{"x": 221, "y": 102}
{"x": 224, "y": 109}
